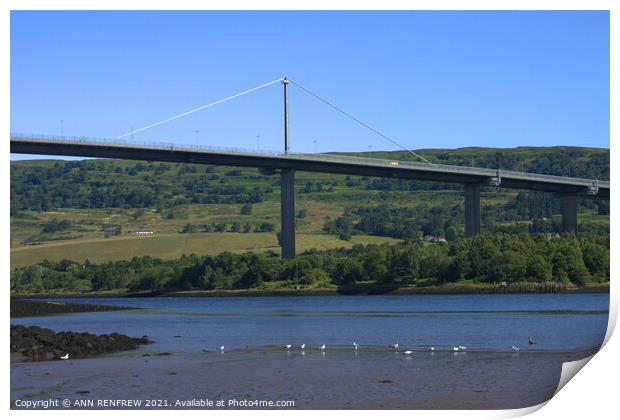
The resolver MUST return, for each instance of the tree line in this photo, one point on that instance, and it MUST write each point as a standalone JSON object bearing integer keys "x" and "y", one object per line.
{"x": 534, "y": 207}
{"x": 485, "y": 259}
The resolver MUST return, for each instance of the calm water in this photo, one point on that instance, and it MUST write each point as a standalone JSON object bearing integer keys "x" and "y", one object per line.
{"x": 484, "y": 322}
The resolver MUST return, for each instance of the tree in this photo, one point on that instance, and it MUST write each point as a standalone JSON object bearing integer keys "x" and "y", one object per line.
{"x": 405, "y": 265}
{"x": 508, "y": 267}
{"x": 314, "y": 276}
{"x": 188, "y": 228}
{"x": 347, "y": 271}
{"x": 246, "y": 209}
{"x": 596, "y": 259}
{"x": 56, "y": 225}
{"x": 458, "y": 268}
{"x": 265, "y": 227}
{"x": 539, "y": 269}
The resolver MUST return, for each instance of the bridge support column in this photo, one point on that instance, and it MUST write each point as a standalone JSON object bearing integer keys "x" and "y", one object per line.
{"x": 472, "y": 209}
{"x": 568, "y": 207}
{"x": 287, "y": 213}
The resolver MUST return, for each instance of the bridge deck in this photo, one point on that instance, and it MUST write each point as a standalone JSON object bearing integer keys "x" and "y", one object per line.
{"x": 328, "y": 163}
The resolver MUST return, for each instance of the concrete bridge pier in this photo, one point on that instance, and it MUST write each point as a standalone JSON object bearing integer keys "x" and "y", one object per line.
{"x": 568, "y": 208}
{"x": 287, "y": 213}
{"x": 472, "y": 209}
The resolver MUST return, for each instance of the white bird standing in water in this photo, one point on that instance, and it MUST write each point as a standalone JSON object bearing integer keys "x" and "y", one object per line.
{"x": 355, "y": 346}
{"x": 515, "y": 348}
{"x": 530, "y": 340}
{"x": 303, "y": 346}
{"x": 394, "y": 346}
{"x": 462, "y": 348}
{"x": 322, "y": 348}
{"x": 222, "y": 348}
{"x": 431, "y": 348}
{"x": 65, "y": 357}
{"x": 455, "y": 348}
{"x": 288, "y": 346}
{"x": 408, "y": 352}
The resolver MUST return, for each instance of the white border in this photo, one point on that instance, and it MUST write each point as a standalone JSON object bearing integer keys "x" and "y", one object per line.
{"x": 592, "y": 394}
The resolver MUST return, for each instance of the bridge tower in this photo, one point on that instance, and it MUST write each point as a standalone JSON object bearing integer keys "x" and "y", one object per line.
{"x": 287, "y": 193}
{"x": 472, "y": 209}
{"x": 568, "y": 208}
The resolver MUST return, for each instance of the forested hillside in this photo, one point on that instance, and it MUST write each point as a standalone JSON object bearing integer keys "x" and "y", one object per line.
{"x": 93, "y": 208}
{"x": 104, "y": 183}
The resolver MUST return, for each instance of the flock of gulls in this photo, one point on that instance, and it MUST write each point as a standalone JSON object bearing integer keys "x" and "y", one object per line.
{"x": 394, "y": 347}
{"x": 356, "y": 347}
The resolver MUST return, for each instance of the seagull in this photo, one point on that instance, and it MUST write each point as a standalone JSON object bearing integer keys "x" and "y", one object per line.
{"x": 462, "y": 348}
{"x": 408, "y": 352}
{"x": 65, "y": 357}
{"x": 288, "y": 346}
{"x": 455, "y": 348}
{"x": 394, "y": 346}
{"x": 431, "y": 348}
{"x": 514, "y": 348}
{"x": 530, "y": 340}
{"x": 355, "y": 346}
{"x": 303, "y": 346}
{"x": 222, "y": 348}
{"x": 322, "y": 348}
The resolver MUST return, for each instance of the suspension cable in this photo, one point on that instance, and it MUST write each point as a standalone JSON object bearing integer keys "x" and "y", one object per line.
{"x": 199, "y": 108}
{"x": 360, "y": 122}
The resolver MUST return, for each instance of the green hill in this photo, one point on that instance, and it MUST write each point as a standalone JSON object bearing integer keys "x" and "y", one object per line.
{"x": 64, "y": 209}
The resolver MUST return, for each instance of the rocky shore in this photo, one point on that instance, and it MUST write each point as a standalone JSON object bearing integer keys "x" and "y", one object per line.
{"x": 25, "y": 307}
{"x": 37, "y": 344}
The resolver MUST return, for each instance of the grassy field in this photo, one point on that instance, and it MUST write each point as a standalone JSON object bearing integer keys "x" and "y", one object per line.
{"x": 172, "y": 246}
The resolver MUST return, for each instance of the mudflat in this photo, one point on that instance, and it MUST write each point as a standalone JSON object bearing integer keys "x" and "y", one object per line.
{"x": 335, "y": 379}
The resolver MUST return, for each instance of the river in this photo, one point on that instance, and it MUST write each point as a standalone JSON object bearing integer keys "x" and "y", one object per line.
{"x": 255, "y": 363}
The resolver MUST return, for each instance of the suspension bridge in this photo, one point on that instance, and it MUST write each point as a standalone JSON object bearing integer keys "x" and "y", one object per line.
{"x": 285, "y": 163}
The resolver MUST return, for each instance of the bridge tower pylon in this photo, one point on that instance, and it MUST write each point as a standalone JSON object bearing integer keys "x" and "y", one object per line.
{"x": 287, "y": 192}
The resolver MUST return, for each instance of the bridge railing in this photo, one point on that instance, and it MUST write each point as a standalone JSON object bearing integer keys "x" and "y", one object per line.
{"x": 469, "y": 170}
{"x": 140, "y": 143}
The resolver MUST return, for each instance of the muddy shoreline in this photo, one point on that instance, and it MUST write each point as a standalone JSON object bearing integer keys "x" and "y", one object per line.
{"x": 429, "y": 290}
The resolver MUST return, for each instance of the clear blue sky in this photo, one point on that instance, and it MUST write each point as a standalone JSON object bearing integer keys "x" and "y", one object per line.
{"x": 429, "y": 79}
